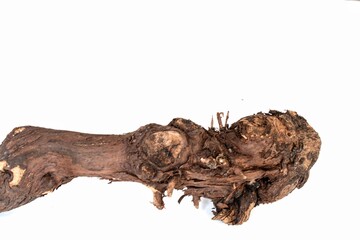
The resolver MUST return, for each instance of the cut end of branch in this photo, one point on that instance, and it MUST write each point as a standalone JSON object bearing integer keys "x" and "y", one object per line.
{"x": 3, "y": 165}
{"x": 17, "y": 173}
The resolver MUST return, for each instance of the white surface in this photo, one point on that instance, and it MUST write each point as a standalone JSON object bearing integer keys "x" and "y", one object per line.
{"x": 111, "y": 66}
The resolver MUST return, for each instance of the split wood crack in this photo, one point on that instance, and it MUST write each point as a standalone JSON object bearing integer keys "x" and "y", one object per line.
{"x": 259, "y": 159}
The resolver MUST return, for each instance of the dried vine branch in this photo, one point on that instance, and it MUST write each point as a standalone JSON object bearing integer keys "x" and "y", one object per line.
{"x": 258, "y": 159}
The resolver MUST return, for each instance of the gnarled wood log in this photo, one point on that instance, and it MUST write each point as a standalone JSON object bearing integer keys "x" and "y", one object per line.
{"x": 258, "y": 159}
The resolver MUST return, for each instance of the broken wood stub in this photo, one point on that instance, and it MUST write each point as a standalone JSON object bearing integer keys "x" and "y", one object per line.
{"x": 258, "y": 159}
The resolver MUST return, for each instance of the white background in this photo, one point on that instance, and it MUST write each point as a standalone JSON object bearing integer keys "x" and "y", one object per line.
{"x": 112, "y": 66}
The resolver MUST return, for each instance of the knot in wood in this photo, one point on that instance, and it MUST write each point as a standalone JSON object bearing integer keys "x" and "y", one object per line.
{"x": 164, "y": 148}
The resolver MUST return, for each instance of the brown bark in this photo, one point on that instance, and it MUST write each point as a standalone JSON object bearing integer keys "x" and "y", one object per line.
{"x": 258, "y": 159}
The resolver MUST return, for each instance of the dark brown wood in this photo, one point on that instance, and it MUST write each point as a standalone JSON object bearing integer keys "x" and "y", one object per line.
{"x": 258, "y": 159}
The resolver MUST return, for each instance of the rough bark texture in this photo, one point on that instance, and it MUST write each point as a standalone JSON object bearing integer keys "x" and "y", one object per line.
{"x": 258, "y": 159}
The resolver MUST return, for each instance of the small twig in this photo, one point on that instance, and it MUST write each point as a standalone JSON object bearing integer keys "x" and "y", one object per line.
{"x": 196, "y": 200}
{"x": 219, "y": 115}
{"x": 226, "y": 120}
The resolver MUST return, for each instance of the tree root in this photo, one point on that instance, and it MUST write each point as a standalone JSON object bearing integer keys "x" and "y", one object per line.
{"x": 258, "y": 159}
